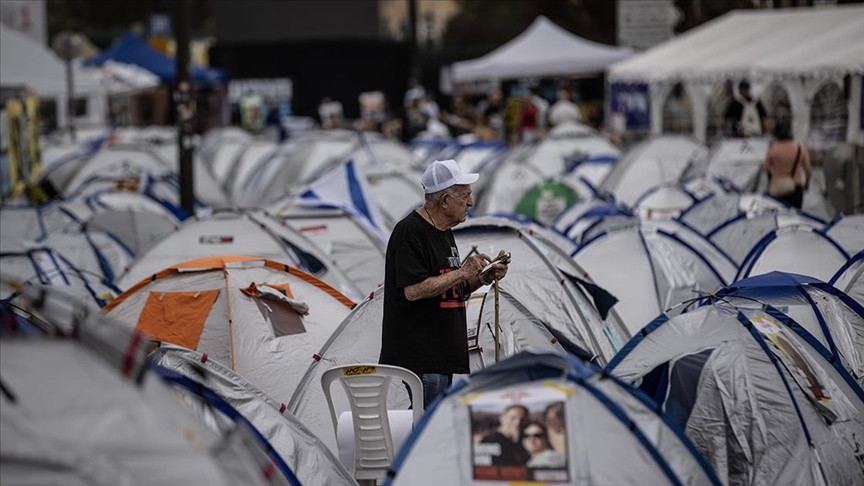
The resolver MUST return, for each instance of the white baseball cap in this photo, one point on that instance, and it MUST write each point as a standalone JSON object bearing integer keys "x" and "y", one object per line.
{"x": 442, "y": 174}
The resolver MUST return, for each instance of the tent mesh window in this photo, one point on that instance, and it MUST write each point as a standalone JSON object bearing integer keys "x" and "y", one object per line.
{"x": 721, "y": 96}
{"x": 829, "y": 117}
{"x": 678, "y": 112}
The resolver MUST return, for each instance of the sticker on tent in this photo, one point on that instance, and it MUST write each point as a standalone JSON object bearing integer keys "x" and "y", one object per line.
{"x": 215, "y": 240}
{"x": 319, "y": 229}
{"x": 520, "y": 435}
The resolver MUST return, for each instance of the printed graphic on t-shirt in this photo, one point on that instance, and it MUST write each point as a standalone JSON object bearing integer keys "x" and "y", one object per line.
{"x": 454, "y": 297}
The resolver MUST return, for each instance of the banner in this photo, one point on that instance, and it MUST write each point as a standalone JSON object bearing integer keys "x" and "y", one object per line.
{"x": 631, "y": 104}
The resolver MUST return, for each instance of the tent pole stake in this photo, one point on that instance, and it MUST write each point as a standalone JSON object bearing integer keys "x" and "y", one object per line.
{"x": 497, "y": 326}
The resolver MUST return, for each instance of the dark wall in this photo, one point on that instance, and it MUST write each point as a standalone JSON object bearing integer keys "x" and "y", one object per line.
{"x": 252, "y": 21}
{"x": 338, "y": 69}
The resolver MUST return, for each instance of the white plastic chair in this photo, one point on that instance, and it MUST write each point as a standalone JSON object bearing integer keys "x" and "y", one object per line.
{"x": 373, "y": 446}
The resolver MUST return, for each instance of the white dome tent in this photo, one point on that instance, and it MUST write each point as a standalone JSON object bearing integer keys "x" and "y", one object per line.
{"x": 850, "y": 277}
{"x": 86, "y": 410}
{"x": 546, "y": 282}
{"x": 249, "y": 233}
{"x": 304, "y": 453}
{"x": 760, "y": 398}
{"x": 650, "y": 270}
{"x": 794, "y": 249}
{"x": 835, "y": 319}
{"x": 606, "y": 425}
{"x": 263, "y": 319}
{"x": 662, "y": 160}
{"x": 848, "y": 232}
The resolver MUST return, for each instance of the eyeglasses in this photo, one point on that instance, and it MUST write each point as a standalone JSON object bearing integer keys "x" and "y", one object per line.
{"x": 538, "y": 435}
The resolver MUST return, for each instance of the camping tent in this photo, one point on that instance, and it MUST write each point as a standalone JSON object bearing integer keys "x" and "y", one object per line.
{"x": 575, "y": 162}
{"x": 543, "y": 49}
{"x": 48, "y": 267}
{"x": 248, "y": 233}
{"x": 739, "y": 235}
{"x": 795, "y": 249}
{"x": 760, "y": 398}
{"x": 764, "y": 45}
{"x": 342, "y": 236}
{"x": 86, "y": 411}
{"x": 547, "y": 283}
{"x": 850, "y": 277}
{"x": 134, "y": 218}
{"x": 831, "y": 316}
{"x": 304, "y": 453}
{"x": 131, "y": 49}
{"x": 25, "y": 63}
{"x": 848, "y": 232}
{"x": 650, "y": 269}
{"x": 263, "y": 319}
{"x": 609, "y": 433}
{"x": 661, "y": 160}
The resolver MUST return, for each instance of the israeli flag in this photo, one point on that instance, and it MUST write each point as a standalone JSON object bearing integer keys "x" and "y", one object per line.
{"x": 345, "y": 188}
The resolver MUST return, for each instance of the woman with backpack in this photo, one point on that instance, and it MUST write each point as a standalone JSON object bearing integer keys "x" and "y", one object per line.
{"x": 784, "y": 163}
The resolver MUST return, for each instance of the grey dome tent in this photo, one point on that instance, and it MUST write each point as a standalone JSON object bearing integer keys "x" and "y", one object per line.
{"x": 834, "y": 318}
{"x": 85, "y": 410}
{"x": 794, "y": 249}
{"x": 612, "y": 433}
{"x": 650, "y": 269}
{"x": 760, "y": 398}
{"x": 304, "y": 453}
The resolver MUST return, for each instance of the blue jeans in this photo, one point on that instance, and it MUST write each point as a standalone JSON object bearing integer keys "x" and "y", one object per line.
{"x": 434, "y": 384}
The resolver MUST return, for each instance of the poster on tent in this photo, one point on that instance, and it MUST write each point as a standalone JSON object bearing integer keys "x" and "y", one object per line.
{"x": 519, "y": 434}
{"x": 796, "y": 359}
{"x": 630, "y": 104}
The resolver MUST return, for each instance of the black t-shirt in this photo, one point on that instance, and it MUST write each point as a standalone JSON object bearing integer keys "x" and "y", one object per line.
{"x": 426, "y": 335}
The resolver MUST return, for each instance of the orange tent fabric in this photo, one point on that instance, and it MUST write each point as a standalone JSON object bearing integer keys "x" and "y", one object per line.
{"x": 176, "y": 317}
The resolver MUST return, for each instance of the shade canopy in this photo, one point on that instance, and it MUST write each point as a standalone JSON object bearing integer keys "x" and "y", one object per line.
{"x": 132, "y": 49}
{"x": 822, "y": 42}
{"x": 544, "y": 49}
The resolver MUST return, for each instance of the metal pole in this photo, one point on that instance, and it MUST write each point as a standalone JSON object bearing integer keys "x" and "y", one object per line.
{"x": 497, "y": 326}
{"x": 182, "y": 103}
{"x": 70, "y": 87}
{"x": 412, "y": 40}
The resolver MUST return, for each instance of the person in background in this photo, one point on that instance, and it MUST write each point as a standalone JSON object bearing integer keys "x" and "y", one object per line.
{"x": 784, "y": 163}
{"x": 426, "y": 284}
{"x": 745, "y": 116}
{"x": 508, "y": 435}
{"x": 528, "y": 119}
{"x": 536, "y": 441}
{"x": 564, "y": 110}
{"x": 460, "y": 118}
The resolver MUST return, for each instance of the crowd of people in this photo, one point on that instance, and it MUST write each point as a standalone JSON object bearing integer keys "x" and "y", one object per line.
{"x": 522, "y": 116}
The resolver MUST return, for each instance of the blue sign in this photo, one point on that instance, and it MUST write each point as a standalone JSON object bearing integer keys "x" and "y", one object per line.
{"x": 632, "y": 101}
{"x": 160, "y": 25}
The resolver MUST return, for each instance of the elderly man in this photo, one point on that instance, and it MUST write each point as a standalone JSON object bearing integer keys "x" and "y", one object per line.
{"x": 426, "y": 285}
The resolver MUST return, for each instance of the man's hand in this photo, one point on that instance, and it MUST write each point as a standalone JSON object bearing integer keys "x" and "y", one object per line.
{"x": 498, "y": 270}
{"x": 472, "y": 266}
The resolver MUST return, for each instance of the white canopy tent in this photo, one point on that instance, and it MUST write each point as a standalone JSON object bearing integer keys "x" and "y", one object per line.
{"x": 800, "y": 49}
{"x": 544, "y": 49}
{"x": 25, "y": 63}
